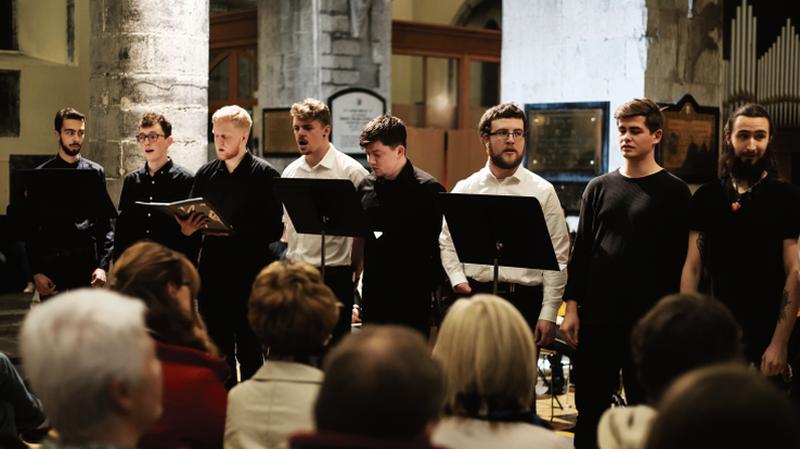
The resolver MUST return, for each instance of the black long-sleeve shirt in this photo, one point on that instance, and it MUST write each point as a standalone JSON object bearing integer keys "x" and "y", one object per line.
{"x": 246, "y": 201}
{"x": 630, "y": 246}
{"x": 401, "y": 253}
{"x": 170, "y": 183}
{"x": 95, "y": 235}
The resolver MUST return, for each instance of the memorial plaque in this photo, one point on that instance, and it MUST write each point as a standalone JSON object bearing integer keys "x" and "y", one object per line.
{"x": 351, "y": 110}
{"x": 277, "y": 132}
{"x": 567, "y": 142}
{"x": 689, "y": 148}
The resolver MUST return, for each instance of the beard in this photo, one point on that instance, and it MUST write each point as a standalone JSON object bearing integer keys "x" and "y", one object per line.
{"x": 750, "y": 171}
{"x": 498, "y": 161}
{"x": 69, "y": 151}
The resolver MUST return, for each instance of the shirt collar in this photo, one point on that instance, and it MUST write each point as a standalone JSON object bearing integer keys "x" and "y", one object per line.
{"x": 327, "y": 161}
{"x": 164, "y": 169}
{"x": 486, "y": 174}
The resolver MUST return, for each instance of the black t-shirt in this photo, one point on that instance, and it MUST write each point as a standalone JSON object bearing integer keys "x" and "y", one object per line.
{"x": 630, "y": 246}
{"x": 743, "y": 249}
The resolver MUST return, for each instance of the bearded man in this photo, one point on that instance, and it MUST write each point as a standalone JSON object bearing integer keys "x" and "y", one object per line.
{"x": 744, "y": 231}
{"x": 69, "y": 252}
{"x": 535, "y": 293}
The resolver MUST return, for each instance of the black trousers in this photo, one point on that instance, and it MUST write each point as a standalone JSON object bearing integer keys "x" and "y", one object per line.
{"x": 528, "y": 300}
{"x": 69, "y": 268}
{"x": 340, "y": 280}
{"x": 603, "y": 352}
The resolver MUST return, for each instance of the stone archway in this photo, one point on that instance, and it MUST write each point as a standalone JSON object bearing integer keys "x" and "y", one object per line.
{"x": 486, "y": 14}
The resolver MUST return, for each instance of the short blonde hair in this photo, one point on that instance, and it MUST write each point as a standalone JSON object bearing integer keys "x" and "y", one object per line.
{"x": 311, "y": 109}
{"x": 488, "y": 355}
{"x": 291, "y": 310}
{"x": 236, "y": 114}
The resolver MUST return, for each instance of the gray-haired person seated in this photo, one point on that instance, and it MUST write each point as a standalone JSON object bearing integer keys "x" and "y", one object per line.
{"x": 92, "y": 363}
{"x": 488, "y": 354}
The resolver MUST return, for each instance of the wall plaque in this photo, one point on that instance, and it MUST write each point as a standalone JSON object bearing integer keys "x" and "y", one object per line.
{"x": 351, "y": 110}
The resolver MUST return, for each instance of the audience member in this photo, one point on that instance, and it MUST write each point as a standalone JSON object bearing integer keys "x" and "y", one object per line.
{"x": 93, "y": 365}
{"x": 20, "y": 410}
{"x": 194, "y": 395}
{"x": 488, "y": 356}
{"x": 293, "y": 313}
{"x": 725, "y": 406}
{"x": 381, "y": 390}
{"x": 680, "y": 333}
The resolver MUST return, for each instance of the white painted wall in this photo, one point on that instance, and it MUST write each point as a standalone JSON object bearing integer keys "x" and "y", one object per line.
{"x": 575, "y": 50}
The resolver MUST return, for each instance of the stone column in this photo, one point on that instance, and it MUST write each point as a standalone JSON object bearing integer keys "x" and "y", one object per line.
{"x": 147, "y": 55}
{"x": 314, "y": 48}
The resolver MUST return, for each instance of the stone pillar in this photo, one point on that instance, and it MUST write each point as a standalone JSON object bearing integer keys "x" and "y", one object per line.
{"x": 147, "y": 55}
{"x": 314, "y": 48}
{"x": 685, "y": 53}
{"x": 558, "y": 51}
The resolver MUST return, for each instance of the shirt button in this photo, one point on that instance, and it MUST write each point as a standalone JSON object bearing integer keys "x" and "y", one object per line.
{"x": 148, "y": 214}
{"x": 151, "y": 198}
{"x": 147, "y": 231}
{"x": 152, "y": 182}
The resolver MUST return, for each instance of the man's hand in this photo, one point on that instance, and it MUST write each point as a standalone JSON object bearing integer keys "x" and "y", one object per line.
{"x": 355, "y": 314}
{"x": 98, "y": 278}
{"x": 462, "y": 288}
{"x": 545, "y": 332}
{"x": 773, "y": 362}
{"x": 44, "y": 285}
{"x": 571, "y": 324}
{"x": 191, "y": 224}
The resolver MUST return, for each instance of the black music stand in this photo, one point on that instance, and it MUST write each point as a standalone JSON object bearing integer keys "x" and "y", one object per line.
{"x": 323, "y": 207}
{"x": 67, "y": 193}
{"x": 499, "y": 230}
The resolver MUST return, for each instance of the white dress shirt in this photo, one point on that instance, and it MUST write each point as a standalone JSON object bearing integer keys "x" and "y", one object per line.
{"x": 522, "y": 183}
{"x": 306, "y": 247}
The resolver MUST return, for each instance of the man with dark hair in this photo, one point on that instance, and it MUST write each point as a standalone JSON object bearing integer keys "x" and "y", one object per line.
{"x": 744, "y": 230}
{"x": 381, "y": 388}
{"x": 682, "y": 332}
{"x": 628, "y": 254}
{"x": 160, "y": 180}
{"x": 535, "y": 293}
{"x": 311, "y": 123}
{"x": 401, "y": 251}
{"x": 68, "y": 253}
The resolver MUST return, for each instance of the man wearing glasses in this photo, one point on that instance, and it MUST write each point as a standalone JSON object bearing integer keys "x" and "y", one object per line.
{"x": 536, "y": 293}
{"x": 159, "y": 180}
{"x": 69, "y": 252}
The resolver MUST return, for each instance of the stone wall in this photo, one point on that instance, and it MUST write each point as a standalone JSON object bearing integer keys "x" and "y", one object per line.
{"x": 147, "y": 55}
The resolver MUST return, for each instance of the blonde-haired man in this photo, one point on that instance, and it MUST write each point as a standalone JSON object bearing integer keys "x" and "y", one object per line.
{"x": 240, "y": 187}
{"x": 311, "y": 124}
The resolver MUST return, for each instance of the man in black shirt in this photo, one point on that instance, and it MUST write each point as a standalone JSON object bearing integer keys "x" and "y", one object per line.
{"x": 240, "y": 188}
{"x": 69, "y": 252}
{"x": 628, "y": 253}
{"x": 160, "y": 180}
{"x": 401, "y": 251}
{"x": 744, "y": 231}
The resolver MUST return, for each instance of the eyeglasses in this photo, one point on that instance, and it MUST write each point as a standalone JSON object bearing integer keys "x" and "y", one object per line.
{"x": 504, "y": 133}
{"x": 152, "y": 137}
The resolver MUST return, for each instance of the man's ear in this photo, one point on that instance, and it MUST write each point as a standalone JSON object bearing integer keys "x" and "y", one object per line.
{"x": 326, "y": 131}
{"x": 57, "y": 135}
{"x": 658, "y": 135}
{"x": 169, "y": 140}
{"x": 121, "y": 396}
{"x": 401, "y": 150}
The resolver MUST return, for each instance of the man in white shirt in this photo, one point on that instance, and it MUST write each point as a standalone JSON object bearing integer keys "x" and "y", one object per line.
{"x": 311, "y": 122}
{"x": 536, "y": 293}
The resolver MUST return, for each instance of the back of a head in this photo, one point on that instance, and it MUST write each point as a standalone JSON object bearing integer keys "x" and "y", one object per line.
{"x": 725, "y": 406}
{"x": 488, "y": 355}
{"x": 291, "y": 310}
{"x": 73, "y": 347}
{"x": 149, "y": 271}
{"x": 680, "y": 333}
{"x": 380, "y": 383}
